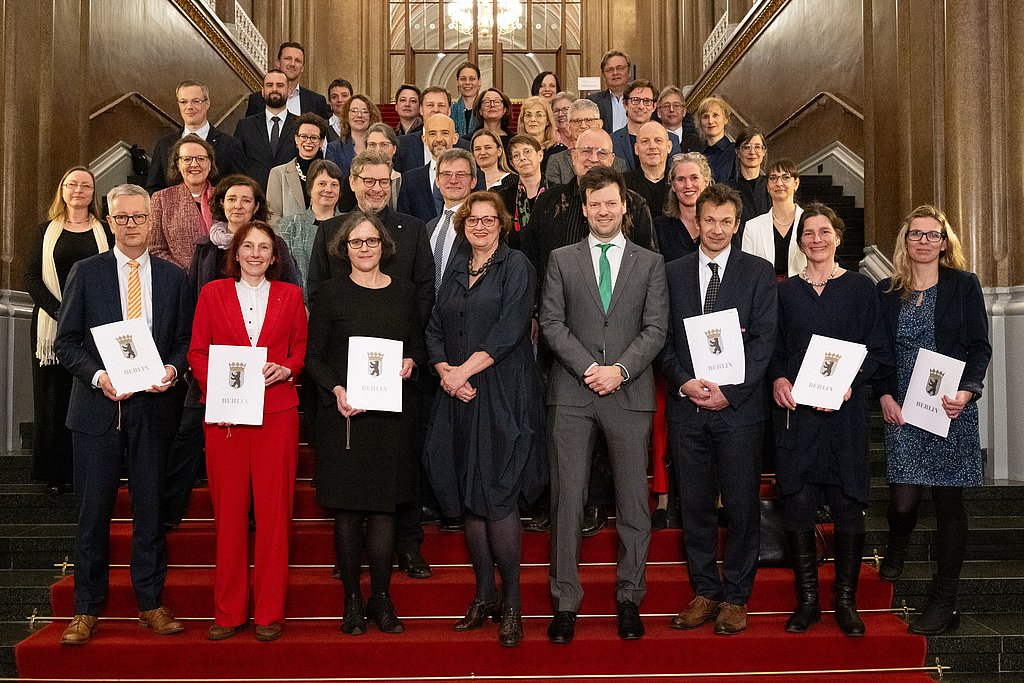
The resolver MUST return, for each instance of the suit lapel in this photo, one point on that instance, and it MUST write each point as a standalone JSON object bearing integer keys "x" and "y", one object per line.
{"x": 730, "y": 280}
{"x": 586, "y": 265}
{"x": 693, "y": 288}
{"x": 625, "y": 269}
{"x": 159, "y": 303}
{"x": 295, "y": 184}
{"x": 945, "y": 294}
{"x": 110, "y": 288}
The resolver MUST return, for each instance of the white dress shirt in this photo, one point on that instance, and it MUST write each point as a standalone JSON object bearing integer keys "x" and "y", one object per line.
{"x": 614, "y": 255}
{"x": 428, "y": 158}
{"x": 335, "y": 123}
{"x": 253, "y": 302}
{"x": 145, "y": 279}
{"x": 293, "y": 102}
{"x": 432, "y": 170}
{"x": 449, "y": 235}
{"x": 270, "y": 124}
{"x": 704, "y": 273}
{"x": 202, "y": 131}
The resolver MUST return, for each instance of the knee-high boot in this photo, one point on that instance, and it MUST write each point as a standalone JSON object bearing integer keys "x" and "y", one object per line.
{"x": 802, "y": 549}
{"x": 895, "y": 555}
{"x": 849, "y": 551}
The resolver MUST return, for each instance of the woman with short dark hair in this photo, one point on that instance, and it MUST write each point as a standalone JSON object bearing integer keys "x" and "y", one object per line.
{"x": 323, "y": 185}
{"x": 366, "y": 461}
{"x": 772, "y": 235}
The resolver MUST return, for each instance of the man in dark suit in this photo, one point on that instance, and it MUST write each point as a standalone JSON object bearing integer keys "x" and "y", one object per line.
{"x": 715, "y": 432}
{"x": 110, "y": 428}
{"x": 268, "y": 137}
{"x": 370, "y": 181}
{"x": 419, "y": 195}
{"x": 456, "y": 170}
{"x": 413, "y": 150}
{"x": 615, "y": 68}
{"x": 639, "y": 99}
{"x": 291, "y": 60}
{"x": 603, "y": 313}
{"x": 194, "y": 105}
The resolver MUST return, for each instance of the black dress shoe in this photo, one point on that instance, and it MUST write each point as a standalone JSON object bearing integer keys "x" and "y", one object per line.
{"x": 451, "y": 524}
{"x": 540, "y": 522}
{"x": 630, "y": 626}
{"x": 478, "y": 613}
{"x": 429, "y": 515}
{"x": 594, "y": 519}
{"x": 381, "y": 611}
{"x": 510, "y": 633}
{"x": 659, "y": 519}
{"x": 413, "y": 564}
{"x": 562, "y": 628}
{"x": 353, "y": 622}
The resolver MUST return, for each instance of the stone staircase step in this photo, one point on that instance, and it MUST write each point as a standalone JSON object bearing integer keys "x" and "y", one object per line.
{"x": 35, "y": 546}
{"x": 994, "y": 586}
{"x": 30, "y": 503}
{"x": 23, "y": 591}
{"x": 15, "y": 468}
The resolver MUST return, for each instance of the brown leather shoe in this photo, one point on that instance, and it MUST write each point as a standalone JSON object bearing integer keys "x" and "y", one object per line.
{"x": 218, "y": 632}
{"x": 731, "y": 619}
{"x": 701, "y": 609}
{"x": 161, "y": 621}
{"x": 269, "y": 632}
{"x": 80, "y": 630}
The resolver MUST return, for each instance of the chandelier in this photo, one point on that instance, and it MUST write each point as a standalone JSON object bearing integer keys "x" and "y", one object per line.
{"x": 460, "y": 15}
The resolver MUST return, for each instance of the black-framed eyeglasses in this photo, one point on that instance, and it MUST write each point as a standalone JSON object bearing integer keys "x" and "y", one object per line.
{"x": 137, "y": 219}
{"x": 932, "y": 236}
{"x": 370, "y": 183}
{"x": 486, "y": 221}
{"x": 308, "y": 138}
{"x": 198, "y": 158}
{"x": 637, "y": 101}
{"x": 371, "y": 242}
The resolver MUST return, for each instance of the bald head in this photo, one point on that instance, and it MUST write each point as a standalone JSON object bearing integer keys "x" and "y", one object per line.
{"x": 439, "y": 134}
{"x": 593, "y": 149}
{"x": 652, "y": 147}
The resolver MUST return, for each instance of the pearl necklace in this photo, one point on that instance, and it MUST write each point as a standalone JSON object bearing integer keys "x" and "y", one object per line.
{"x": 803, "y": 275}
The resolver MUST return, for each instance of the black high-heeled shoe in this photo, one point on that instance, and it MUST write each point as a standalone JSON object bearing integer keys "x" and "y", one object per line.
{"x": 478, "y": 612}
{"x": 381, "y": 611}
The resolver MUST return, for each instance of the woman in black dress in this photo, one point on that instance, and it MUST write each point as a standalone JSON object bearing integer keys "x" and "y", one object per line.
{"x": 485, "y": 446}
{"x": 822, "y": 454}
{"x": 366, "y": 462}
{"x": 73, "y": 232}
{"x": 932, "y": 303}
{"x": 676, "y": 223}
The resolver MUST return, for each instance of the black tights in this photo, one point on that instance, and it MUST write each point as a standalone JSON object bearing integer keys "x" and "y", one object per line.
{"x": 378, "y": 540}
{"x": 950, "y": 521}
{"x": 495, "y": 542}
{"x": 801, "y": 509}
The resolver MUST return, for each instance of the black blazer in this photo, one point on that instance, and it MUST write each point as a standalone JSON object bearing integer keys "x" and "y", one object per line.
{"x": 416, "y": 196}
{"x": 603, "y": 100}
{"x": 309, "y": 101}
{"x": 412, "y": 261}
{"x": 229, "y": 157}
{"x": 251, "y": 132}
{"x": 961, "y": 327}
{"x": 410, "y": 150}
{"x": 92, "y": 298}
{"x": 748, "y": 286}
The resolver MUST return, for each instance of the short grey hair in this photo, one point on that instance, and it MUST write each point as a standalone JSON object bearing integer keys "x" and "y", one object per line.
{"x": 385, "y": 130}
{"x": 128, "y": 190}
{"x": 454, "y": 154}
{"x": 566, "y": 95}
{"x": 584, "y": 105}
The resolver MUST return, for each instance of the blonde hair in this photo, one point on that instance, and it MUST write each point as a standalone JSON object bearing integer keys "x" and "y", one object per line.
{"x": 951, "y": 257}
{"x": 59, "y": 209}
{"x": 706, "y": 104}
{"x": 549, "y": 127}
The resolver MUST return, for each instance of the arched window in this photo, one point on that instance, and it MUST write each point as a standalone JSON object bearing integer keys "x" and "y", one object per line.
{"x": 511, "y": 40}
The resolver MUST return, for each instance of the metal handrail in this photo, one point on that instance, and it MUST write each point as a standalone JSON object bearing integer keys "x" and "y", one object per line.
{"x": 821, "y": 98}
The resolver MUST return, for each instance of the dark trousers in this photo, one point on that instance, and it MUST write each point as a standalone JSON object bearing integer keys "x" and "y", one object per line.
{"x": 142, "y": 441}
{"x": 710, "y": 456}
{"x": 184, "y": 463}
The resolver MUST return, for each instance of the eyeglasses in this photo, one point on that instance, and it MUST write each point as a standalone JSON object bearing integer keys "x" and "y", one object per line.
{"x": 195, "y": 101}
{"x": 137, "y": 219}
{"x": 77, "y": 186}
{"x": 533, "y": 115}
{"x": 615, "y": 69}
{"x": 785, "y": 178}
{"x": 588, "y": 122}
{"x": 450, "y": 175}
{"x": 370, "y": 183}
{"x": 637, "y": 101}
{"x": 561, "y": 111}
{"x": 486, "y": 221}
{"x": 492, "y": 103}
{"x": 371, "y": 242}
{"x": 933, "y": 236}
{"x": 675, "y": 106}
{"x": 601, "y": 153}
{"x": 747, "y": 147}
{"x": 308, "y": 138}
{"x": 359, "y": 112}
{"x": 198, "y": 159}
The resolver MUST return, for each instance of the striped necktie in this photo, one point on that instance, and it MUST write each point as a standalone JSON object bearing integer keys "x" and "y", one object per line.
{"x": 134, "y": 290}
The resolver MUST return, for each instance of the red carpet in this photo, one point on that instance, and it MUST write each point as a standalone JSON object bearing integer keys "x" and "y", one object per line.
{"x": 314, "y": 648}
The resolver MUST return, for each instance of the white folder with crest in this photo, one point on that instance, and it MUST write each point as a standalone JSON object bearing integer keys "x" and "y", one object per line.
{"x": 827, "y": 372}
{"x": 716, "y": 347}
{"x": 374, "y": 379}
{"x": 934, "y": 376}
{"x": 129, "y": 354}
{"x": 235, "y": 387}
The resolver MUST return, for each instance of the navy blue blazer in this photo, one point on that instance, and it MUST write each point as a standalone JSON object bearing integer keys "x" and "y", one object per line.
{"x": 623, "y": 148}
{"x": 961, "y": 328}
{"x": 309, "y": 101}
{"x": 417, "y": 197}
{"x": 342, "y": 152}
{"x": 410, "y": 151}
{"x": 748, "y": 286}
{"x": 251, "y": 132}
{"x": 229, "y": 157}
{"x": 92, "y": 298}
{"x": 603, "y": 100}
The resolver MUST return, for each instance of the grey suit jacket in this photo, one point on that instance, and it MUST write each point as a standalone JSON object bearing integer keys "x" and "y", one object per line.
{"x": 559, "y": 170}
{"x": 580, "y": 333}
{"x": 284, "y": 192}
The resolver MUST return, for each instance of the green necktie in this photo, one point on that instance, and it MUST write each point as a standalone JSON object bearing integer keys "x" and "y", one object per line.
{"x": 604, "y": 280}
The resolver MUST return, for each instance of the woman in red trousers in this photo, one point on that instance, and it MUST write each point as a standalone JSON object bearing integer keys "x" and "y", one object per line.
{"x": 252, "y": 307}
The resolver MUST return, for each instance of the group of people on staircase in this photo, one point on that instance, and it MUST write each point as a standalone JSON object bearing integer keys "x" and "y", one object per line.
{"x": 543, "y": 326}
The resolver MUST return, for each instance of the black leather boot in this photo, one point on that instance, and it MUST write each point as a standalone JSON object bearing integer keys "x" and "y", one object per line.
{"x": 381, "y": 611}
{"x": 354, "y": 621}
{"x": 849, "y": 551}
{"x": 802, "y": 550}
{"x": 940, "y": 614}
{"x": 895, "y": 555}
